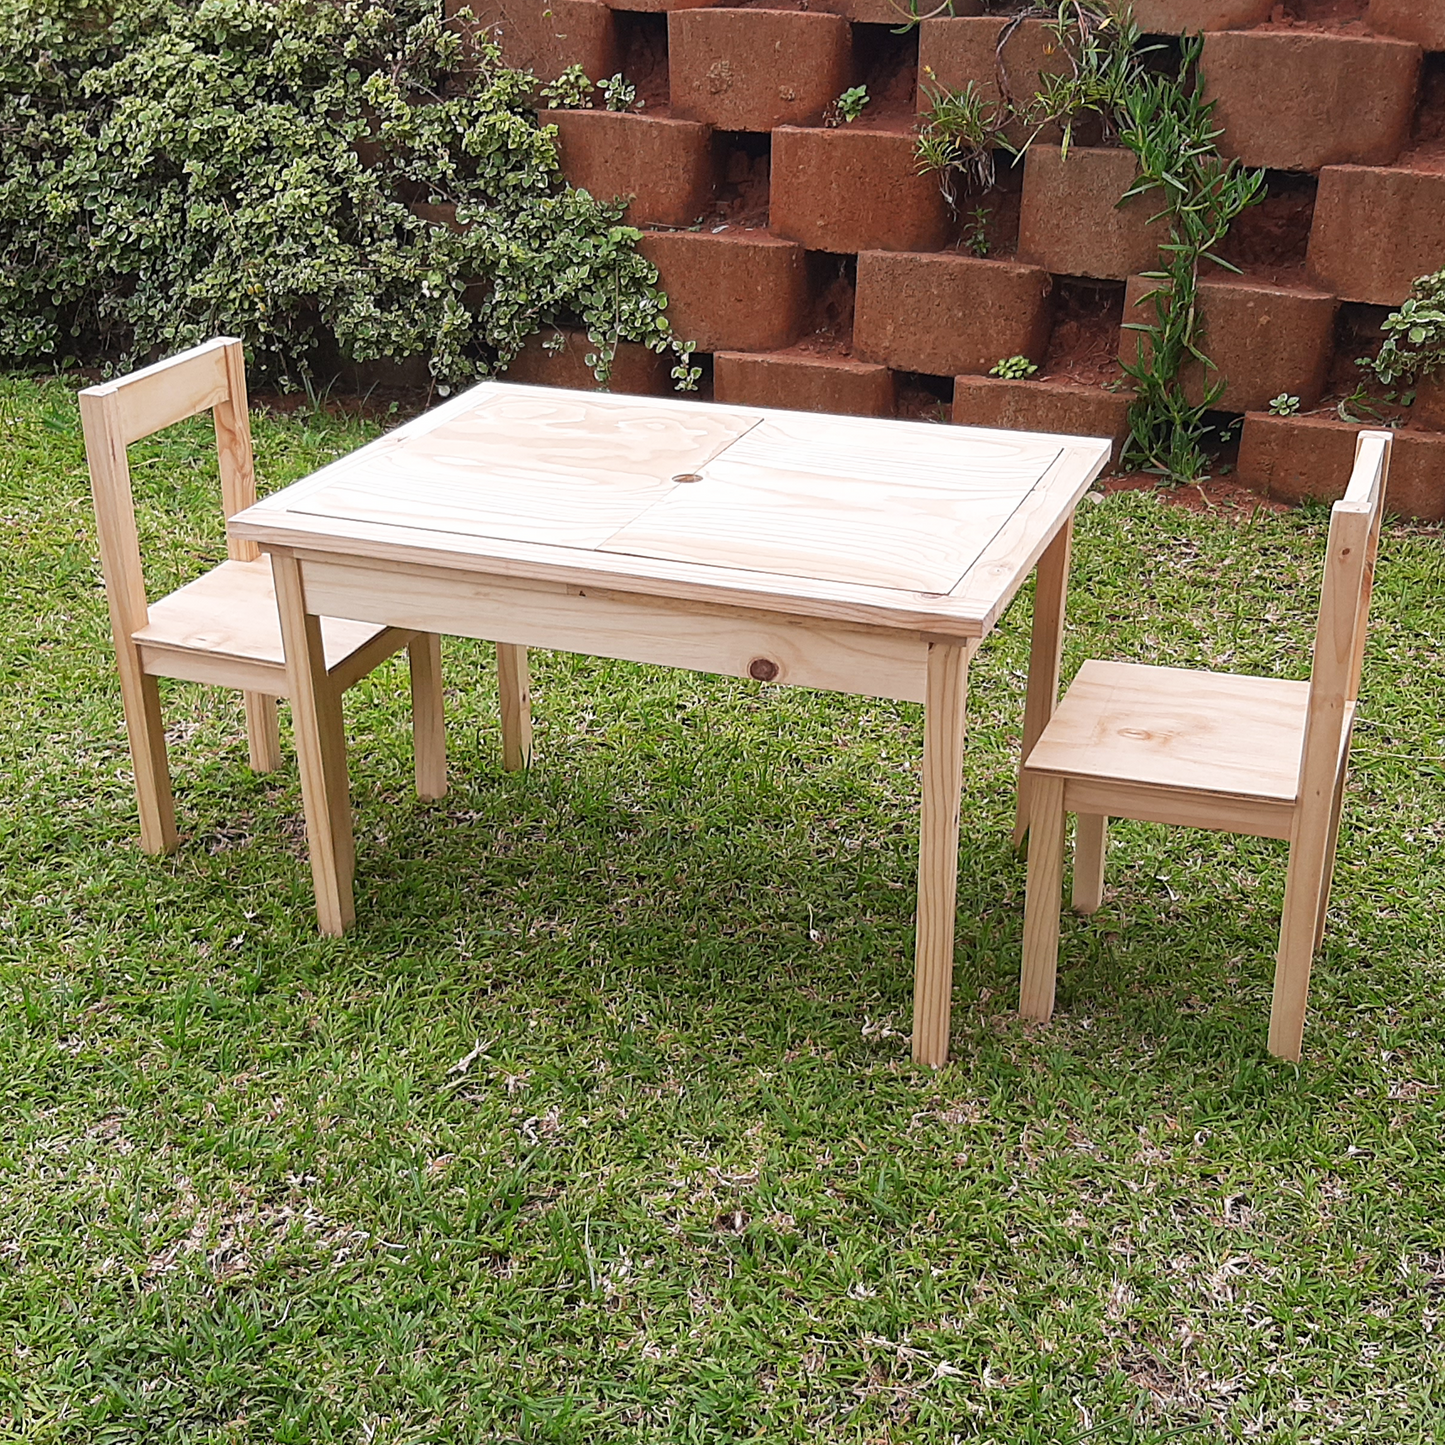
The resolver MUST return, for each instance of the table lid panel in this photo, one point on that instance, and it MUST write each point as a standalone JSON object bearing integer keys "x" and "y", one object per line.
{"x": 566, "y": 469}
{"x": 807, "y": 497}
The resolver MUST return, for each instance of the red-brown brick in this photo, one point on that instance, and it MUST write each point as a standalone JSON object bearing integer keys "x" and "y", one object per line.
{"x": 1263, "y": 339}
{"x": 1290, "y": 458}
{"x": 1422, "y": 21}
{"x": 1187, "y": 17}
{"x": 1070, "y": 221}
{"x": 886, "y": 12}
{"x": 1375, "y": 231}
{"x": 636, "y": 371}
{"x": 665, "y": 165}
{"x": 751, "y": 70}
{"x": 655, "y": 7}
{"x": 797, "y": 381}
{"x": 945, "y": 314}
{"x": 1046, "y": 406}
{"x": 736, "y": 291}
{"x": 1300, "y": 100}
{"x": 953, "y": 52}
{"x": 545, "y": 38}
{"x": 848, "y": 190}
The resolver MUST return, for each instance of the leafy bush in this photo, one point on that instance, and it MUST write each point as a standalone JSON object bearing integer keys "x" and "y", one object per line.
{"x": 172, "y": 169}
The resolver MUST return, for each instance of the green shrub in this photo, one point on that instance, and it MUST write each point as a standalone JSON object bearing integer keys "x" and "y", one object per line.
{"x": 1414, "y": 335}
{"x": 171, "y": 169}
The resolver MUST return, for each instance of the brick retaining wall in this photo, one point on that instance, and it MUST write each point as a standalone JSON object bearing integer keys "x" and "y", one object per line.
{"x": 817, "y": 269}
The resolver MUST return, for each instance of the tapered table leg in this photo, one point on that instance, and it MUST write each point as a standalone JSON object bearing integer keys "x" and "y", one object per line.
{"x": 943, "y": 733}
{"x": 514, "y": 687}
{"x": 321, "y": 748}
{"x": 1051, "y": 586}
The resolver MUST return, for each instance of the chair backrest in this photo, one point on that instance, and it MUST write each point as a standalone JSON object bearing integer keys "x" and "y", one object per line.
{"x": 1344, "y": 612}
{"x": 119, "y": 412}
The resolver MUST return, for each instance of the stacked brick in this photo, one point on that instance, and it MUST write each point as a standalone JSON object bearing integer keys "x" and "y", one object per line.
{"x": 819, "y": 269}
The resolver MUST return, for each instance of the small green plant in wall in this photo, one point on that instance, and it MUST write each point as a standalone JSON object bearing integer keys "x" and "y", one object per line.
{"x": 1013, "y": 368}
{"x": 1414, "y": 346}
{"x": 571, "y": 90}
{"x": 619, "y": 94}
{"x": 1284, "y": 405}
{"x": 848, "y": 107}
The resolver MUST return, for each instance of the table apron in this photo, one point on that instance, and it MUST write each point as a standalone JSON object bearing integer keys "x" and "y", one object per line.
{"x": 737, "y": 642}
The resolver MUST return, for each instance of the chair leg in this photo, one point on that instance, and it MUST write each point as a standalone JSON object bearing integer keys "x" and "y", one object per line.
{"x": 428, "y": 720}
{"x": 1043, "y": 898}
{"x": 1091, "y": 840}
{"x": 516, "y": 696}
{"x": 263, "y": 732}
{"x": 1303, "y": 900}
{"x": 146, "y": 734}
{"x": 1336, "y": 808}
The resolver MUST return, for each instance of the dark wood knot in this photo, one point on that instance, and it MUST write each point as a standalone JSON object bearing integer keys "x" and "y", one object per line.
{"x": 763, "y": 668}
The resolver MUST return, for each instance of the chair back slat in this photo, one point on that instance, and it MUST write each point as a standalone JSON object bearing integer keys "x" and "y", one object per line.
{"x": 119, "y": 412}
{"x": 1344, "y": 613}
{"x": 180, "y": 386}
{"x": 233, "y": 450}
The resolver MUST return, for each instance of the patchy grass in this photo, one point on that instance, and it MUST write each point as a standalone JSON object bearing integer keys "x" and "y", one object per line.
{"x": 601, "y": 1125}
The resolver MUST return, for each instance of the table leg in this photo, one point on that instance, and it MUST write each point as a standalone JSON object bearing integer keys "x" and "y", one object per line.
{"x": 1051, "y": 586}
{"x": 321, "y": 748}
{"x": 943, "y": 731}
{"x": 516, "y": 698}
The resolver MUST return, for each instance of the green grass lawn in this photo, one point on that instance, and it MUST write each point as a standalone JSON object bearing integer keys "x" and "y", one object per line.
{"x": 601, "y": 1125}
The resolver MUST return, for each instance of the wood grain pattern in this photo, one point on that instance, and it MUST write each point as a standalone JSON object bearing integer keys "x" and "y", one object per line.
{"x": 180, "y": 386}
{"x": 1091, "y": 843}
{"x": 600, "y": 623}
{"x": 230, "y": 612}
{"x": 943, "y": 735}
{"x": 263, "y": 732}
{"x": 514, "y": 689}
{"x": 126, "y": 599}
{"x": 428, "y": 722}
{"x": 811, "y": 498}
{"x": 299, "y": 516}
{"x": 560, "y": 468}
{"x": 321, "y": 748}
{"x": 1334, "y": 687}
{"x": 1046, "y": 646}
{"x": 1038, "y": 974}
{"x": 1168, "y": 727}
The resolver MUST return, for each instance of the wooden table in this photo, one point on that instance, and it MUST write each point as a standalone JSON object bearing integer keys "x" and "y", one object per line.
{"x": 846, "y": 553}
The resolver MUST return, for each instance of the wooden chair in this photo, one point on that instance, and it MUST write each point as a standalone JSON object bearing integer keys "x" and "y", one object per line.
{"x": 223, "y": 628}
{"x": 1250, "y": 755}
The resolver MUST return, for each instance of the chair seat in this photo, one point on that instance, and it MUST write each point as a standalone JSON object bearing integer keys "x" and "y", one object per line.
{"x": 1201, "y": 732}
{"x": 229, "y": 616}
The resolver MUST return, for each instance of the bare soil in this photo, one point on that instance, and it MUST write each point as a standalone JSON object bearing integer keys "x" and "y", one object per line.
{"x": 744, "y": 167}
{"x": 833, "y": 284}
{"x": 1340, "y": 17}
{"x": 1215, "y": 494}
{"x": 887, "y": 63}
{"x": 1270, "y": 239}
{"x": 1427, "y": 142}
{"x": 642, "y": 57}
{"x": 1084, "y": 344}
